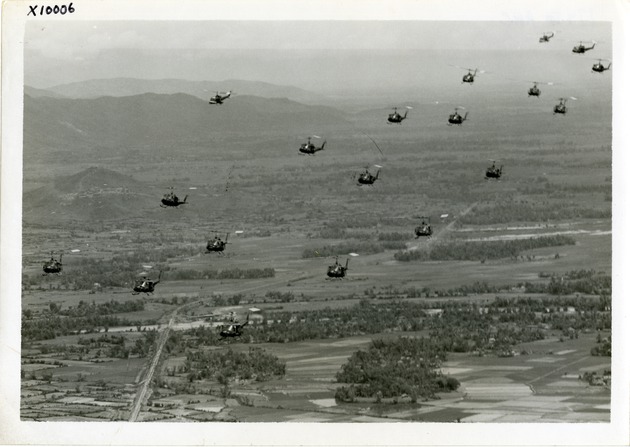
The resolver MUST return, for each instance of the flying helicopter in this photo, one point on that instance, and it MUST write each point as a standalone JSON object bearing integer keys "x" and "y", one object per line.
{"x": 397, "y": 118}
{"x": 309, "y": 148}
{"x": 469, "y": 77}
{"x": 170, "y": 199}
{"x": 493, "y": 171}
{"x": 219, "y": 98}
{"x": 534, "y": 90}
{"x": 145, "y": 285}
{"x": 456, "y": 118}
{"x": 338, "y": 271}
{"x": 217, "y": 245}
{"x": 366, "y": 178}
{"x": 53, "y": 265}
{"x": 546, "y": 37}
{"x": 424, "y": 229}
{"x": 581, "y": 49}
{"x": 233, "y": 329}
{"x": 599, "y": 67}
{"x": 561, "y": 107}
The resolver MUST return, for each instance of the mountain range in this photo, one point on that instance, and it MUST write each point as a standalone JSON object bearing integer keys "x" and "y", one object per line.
{"x": 162, "y": 120}
{"x": 117, "y": 87}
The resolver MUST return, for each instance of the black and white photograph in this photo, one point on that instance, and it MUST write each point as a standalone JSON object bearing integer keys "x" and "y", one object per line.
{"x": 282, "y": 213}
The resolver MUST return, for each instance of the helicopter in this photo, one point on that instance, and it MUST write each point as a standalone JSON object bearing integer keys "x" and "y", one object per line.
{"x": 424, "y": 229}
{"x": 456, "y": 118}
{"x": 546, "y": 37}
{"x": 366, "y": 178}
{"x": 219, "y": 98}
{"x": 469, "y": 77}
{"x": 599, "y": 67}
{"x": 233, "y": 329}
{"x": 561, "y": 107}
{"x": 217, "y": 245}
{"x": 309, "y": 148}
{"x": 53, "y": 266}
{"x": 170, "y": 199}
{"x": 397, "y": 118}
{"x": 145, "y": 286}
{"x": 581, "y": 49}
{"x": 534, "y": 90}
{"x": 337, "y": 270}
{"x": 493, "y": 171}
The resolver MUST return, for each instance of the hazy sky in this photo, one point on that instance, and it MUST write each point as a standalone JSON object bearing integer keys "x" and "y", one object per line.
{"x": 308, "y": 54}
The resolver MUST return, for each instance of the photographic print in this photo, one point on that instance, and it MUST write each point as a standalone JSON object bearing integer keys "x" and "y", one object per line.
{"x": 315, "y": 220}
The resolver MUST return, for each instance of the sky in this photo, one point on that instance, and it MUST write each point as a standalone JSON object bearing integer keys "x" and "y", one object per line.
{"x": 316, "y": 55}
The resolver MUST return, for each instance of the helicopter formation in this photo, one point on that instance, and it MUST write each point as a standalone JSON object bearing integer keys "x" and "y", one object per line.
{"x": 339, "y": 270}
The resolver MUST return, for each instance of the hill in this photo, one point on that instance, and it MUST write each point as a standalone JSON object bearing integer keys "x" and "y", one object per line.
{"x": 117, "y": 87}
{"x": 94, "y": 194}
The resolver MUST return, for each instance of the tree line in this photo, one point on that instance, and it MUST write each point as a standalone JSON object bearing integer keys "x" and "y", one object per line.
{"x": 481, "y": 250}
{"x": 395, "y": 368}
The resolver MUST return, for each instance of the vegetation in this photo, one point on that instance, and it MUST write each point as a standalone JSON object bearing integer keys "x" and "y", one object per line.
{"x": 405, "y": 366}
{"x": 477, "y": 251}
{"x": 526, "y": 211}
{"x": 223, "y": 366}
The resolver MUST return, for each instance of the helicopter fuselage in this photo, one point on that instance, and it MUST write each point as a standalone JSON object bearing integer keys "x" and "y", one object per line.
{"x": 599, "y": 68}
{"x": 172, "y": 201}
{"x": 423, "y": 230}
{"x": 493, "y": 172}
{"x": 367, "y": 179}
{"x": 456, "y": 118}
{"x": 534, "y": 91}
{"x": 52, "y": 267}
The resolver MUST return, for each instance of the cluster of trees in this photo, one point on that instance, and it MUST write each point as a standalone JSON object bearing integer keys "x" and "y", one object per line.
{"x": 478, "y": 287}
{"x": 577, "y": 281}
{"x": 526, "y": 211}
{"x": 363, "y": 247}
{"x": 286, "y": 327}
{"x": 223, "y": 366}
{"x": 52, "y": 325}
{"x": 482, "y": 250}
{"x": 603, "y": 348}
{"x": 394, "y": 368}
{"x": 84, "y": 309}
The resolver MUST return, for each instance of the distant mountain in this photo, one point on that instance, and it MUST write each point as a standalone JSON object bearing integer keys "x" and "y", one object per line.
{"x": 161, "y": 121}
{"x": 38, "y": 92}
{"x": 92, "y": 194}
{"x": 95, "y": 88}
